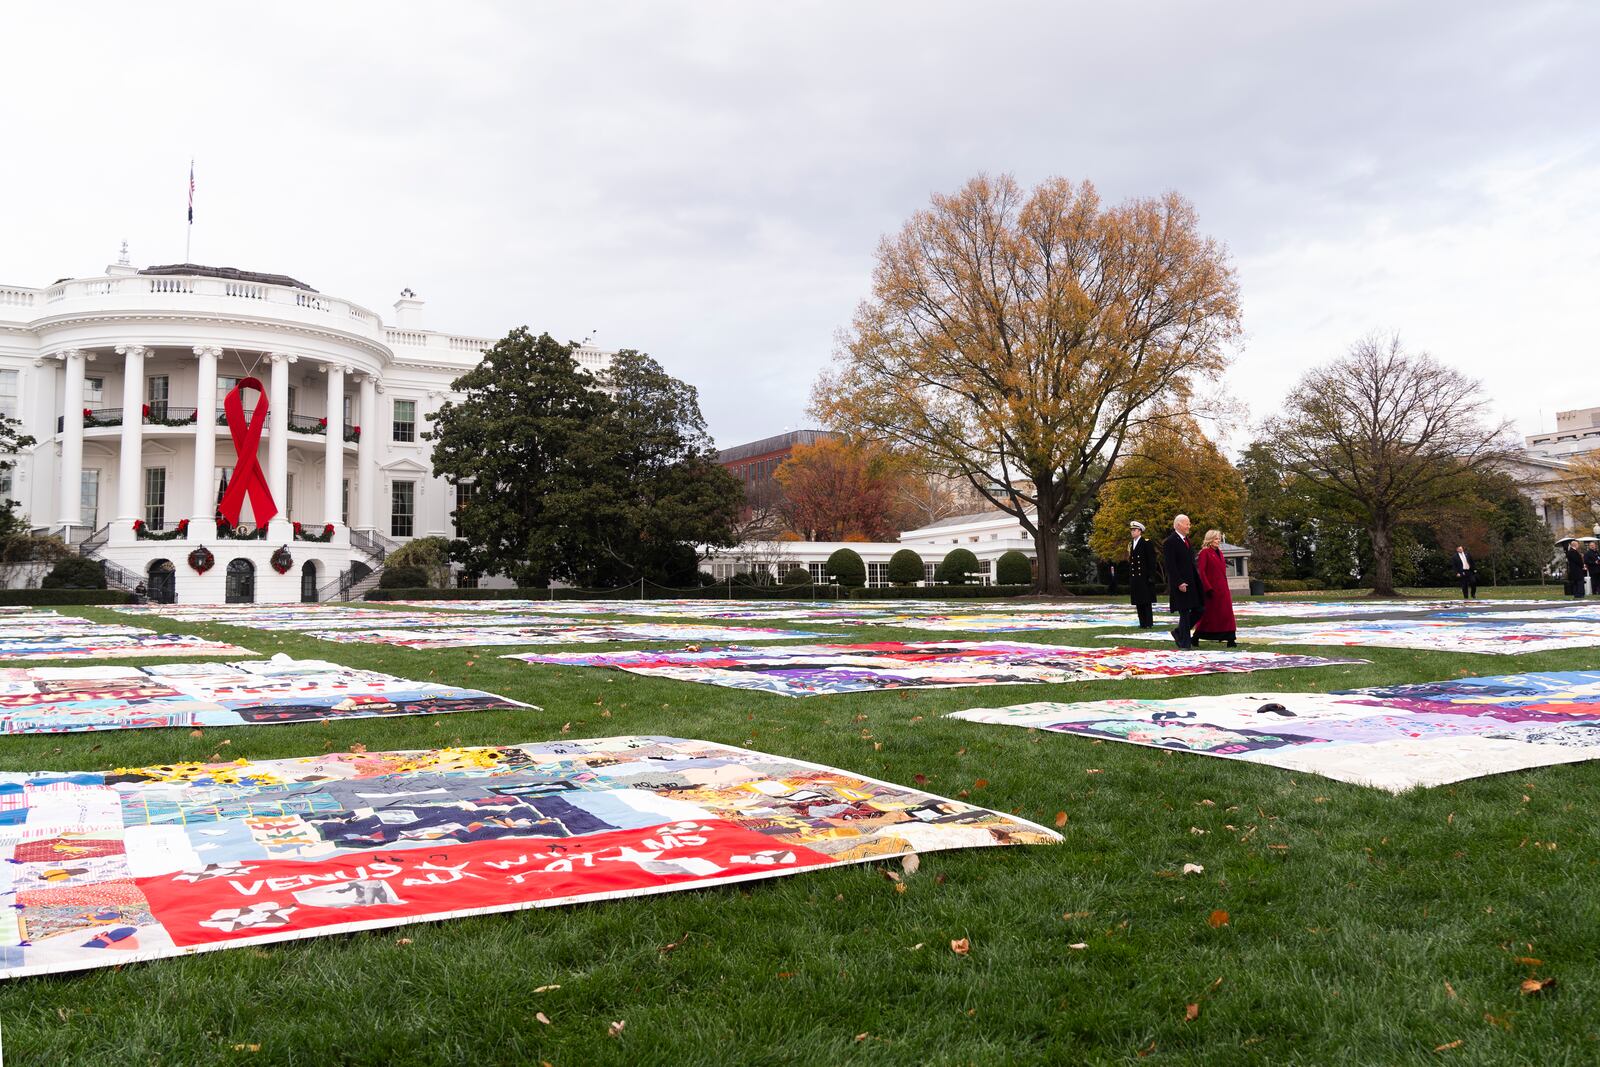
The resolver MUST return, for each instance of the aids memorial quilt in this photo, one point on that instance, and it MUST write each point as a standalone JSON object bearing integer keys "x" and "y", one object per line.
{"x": 338, "y": 617}
{"x": 1507, "y": 638}
{"x": 35, "y": 700}
{"x": 584, "y": 634}
{"x": 810, "y": 670}
{"x": 137, "y": 864}
{"x": 1388, "y": 737}
{"x": 91, "y": 642}
{"x": 1004, "y": 622}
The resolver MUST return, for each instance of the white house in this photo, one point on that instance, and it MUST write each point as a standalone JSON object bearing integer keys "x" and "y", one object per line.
{"x": 120, "y": 380}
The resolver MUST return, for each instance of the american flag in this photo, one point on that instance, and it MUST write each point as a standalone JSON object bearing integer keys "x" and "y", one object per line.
{"x": 191, "y": 192}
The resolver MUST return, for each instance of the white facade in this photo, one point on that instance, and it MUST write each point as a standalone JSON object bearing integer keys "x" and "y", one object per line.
{"x": 120, "y": 378}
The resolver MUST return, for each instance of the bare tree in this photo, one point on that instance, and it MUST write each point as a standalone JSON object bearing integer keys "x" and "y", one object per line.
{"x": 925, "y": 499}
{"x": 1388, "y": 436}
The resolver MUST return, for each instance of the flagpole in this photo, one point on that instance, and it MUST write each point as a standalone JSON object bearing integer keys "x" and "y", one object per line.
{"x": 188, "y": 236}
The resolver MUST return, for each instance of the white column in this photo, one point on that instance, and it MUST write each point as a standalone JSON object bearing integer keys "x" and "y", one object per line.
{"x": 333, "y": 458}
{"x": 278, "y": 432}
{"x": 367, "y": 456}
{"x": 131, "y": 460}
{"x": 203, "y": 511}
{"x": 70, "y": 509}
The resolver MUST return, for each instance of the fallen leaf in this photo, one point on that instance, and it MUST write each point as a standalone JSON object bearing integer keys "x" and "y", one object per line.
{"x": 1531, "y": 986}
{"x": 1061, "y": 819}
{"x": 786, "y": 974}
{"x": 403, "y": 941}
{"x": 674, "y": 944}
{"x": 861, "y": 1037}
{"x": 566, "y": 728}
{"x": 961, "y": 946}
{"x": 1219, "y": 918}
{"x": 1078, "y": 945}
{"x": 1193, "y": 868}
{"x": 1191, "y": 1012}
{"x": 1448, "y": 988}
{"x": 247, "y": 1048}
{"x": 1529, "y": 961}
{"x": 915, "y": 947}
{"x": 1447, "y": 1047}
{"x": 920, "y": 779}
{"x": 910, "y": 863}
{"x": 1097, "y": 770}
{"x": 358, "y": 748}
{"x": 615, "y": 1029}
{"x": 606, "y": 714}
{"x": 542, "y": 1017}
{"x": 1197, "y": 830}
{"x": 981, "y": 783}
{"x": 1207, "y": 803}
{"x": 1147, "y": 1050}
{"x": 546, "y": 988}
{"x": 197, "y": 733}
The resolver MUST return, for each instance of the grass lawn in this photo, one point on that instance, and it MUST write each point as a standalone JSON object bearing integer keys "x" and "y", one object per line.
{"x": 1361, "y": 927}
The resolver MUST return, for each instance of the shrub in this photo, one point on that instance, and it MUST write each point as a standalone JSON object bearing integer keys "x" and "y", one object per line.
{"x": 797, "y": 576}
{"x": 404, "y": 576}
{"x": 431, "y": 554}
{"x": 1292, "y": 585}
{"x": 846, "y": 568}
{"x": 905, "y": 568}
{"x": 1013, "y": 568}
{"x": 960, "y": 567}
{"x": 75, "y": 572}
{"x": 26, "y": 547}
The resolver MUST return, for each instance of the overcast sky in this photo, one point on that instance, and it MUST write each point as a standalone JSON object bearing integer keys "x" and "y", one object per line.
{"x": 708, "y": 181}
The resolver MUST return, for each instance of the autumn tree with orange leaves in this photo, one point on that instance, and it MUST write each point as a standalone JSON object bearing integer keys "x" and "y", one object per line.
{"x": 1017, "y": 338}
{"x": 838, "y": 490}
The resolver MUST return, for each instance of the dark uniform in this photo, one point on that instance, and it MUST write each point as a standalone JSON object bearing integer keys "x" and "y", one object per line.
{"x": 1143, "y": 574}
{"x": 1591, "y": 560}
{"x": 1466, "y": 574}
{"x": 1181, "y": 571}
{"x": 1574, "y": 569}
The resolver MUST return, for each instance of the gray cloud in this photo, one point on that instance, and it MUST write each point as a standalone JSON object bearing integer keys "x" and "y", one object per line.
{"x": 708, "y": 181}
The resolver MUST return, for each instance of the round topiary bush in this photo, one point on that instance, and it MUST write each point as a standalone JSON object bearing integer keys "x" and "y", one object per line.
{"x": 960, "y": 567}
{"x": 846, "y": 568}
{"x": 905, "y": 568}
{"x": 75, "y": 572}
{"x": 1013, "y": 568}
{"x": 798, "y": 575}
{"x": 404, "y": 576}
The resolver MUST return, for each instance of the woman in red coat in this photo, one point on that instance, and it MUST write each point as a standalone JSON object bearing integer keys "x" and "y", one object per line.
{"x": 1216, "y": 622}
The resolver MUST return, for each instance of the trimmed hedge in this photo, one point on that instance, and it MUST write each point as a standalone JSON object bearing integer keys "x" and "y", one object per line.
{"x": 960, "y": 567}
{"x": 63, "y": 597}
{"x": 1012, "y": 568}
{"x": 1293, "y": 585}
{"x": 846, "y": 568}
{"x": 713, "y": 592}
{"x": 403, "y": 576}
{"x": 906, "y": 568}
{"x": 941, "y": 592}
{"x": 75, "y": 572}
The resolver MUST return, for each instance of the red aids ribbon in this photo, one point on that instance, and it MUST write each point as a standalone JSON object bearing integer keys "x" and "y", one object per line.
{"x": 247, "y": 475}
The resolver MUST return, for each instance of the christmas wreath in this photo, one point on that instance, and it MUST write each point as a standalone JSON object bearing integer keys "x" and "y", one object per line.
{"x": 202, "y": 560}
{"x": 144, "y": 533}
{"x": 302, "y": 534}
{"x": 281, "y": 560}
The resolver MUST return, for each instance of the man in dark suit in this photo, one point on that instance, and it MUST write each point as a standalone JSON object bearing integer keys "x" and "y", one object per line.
{"x": 1466, "y": 573}
{"x": 1142, "y": 575}
{"x": 1591, "y": 562}
{"x": 1183, "y": 580}
{"x": 1574, "y": 569}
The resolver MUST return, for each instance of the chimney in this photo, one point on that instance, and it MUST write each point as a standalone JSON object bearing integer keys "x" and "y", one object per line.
{"x": 408, "y": 311}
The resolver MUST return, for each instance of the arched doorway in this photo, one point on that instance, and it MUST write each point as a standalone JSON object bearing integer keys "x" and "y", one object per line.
{"x": 161, "y": 582}
{"x": 308, "y": 583}
{"x": 241, "y": 582}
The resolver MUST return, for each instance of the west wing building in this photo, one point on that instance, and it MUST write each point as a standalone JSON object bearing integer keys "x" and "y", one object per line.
{"x": 120, "y": 380}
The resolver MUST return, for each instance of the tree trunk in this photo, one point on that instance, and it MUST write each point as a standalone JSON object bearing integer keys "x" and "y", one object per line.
{"x": 1047, "y": 550}
{"x": 1382, "y": 560}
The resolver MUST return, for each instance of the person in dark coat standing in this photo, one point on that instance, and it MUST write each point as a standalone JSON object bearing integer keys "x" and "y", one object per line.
{"x": 1216, "y": 621}
{"x": 1142, "y": 575}
{"x": 1466, "y": 573}
{"x": 1183, "y": 580}
{"x": 1591, "y": 561}
{"x": 1574, "y": 569}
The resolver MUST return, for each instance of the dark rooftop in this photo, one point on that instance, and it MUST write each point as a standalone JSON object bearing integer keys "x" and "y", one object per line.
{"x": 231, "y": 273}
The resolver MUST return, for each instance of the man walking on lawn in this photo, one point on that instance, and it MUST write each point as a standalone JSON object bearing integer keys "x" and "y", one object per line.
{"x": 1183, "y": 581}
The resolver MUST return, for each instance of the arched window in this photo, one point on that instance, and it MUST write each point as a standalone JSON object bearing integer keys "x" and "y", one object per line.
{"x": 161, "y": 582}
{"x": 308, "y": 582}
{"x": 241, "y": 581}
